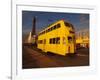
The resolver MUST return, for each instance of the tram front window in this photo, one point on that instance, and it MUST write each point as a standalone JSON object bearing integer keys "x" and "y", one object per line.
{"x": 70, "y": 40}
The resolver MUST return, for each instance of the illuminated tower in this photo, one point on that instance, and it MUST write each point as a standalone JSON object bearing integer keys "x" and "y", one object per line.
{"x": 33, "y": 35}
{"x": 34, "y": 26}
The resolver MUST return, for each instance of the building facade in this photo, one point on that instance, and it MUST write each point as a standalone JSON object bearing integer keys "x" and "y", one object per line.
{"x": 82, "y": 38}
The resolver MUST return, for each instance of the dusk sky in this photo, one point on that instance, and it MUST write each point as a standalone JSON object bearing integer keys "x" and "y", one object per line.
{"x": 43, "y": 19}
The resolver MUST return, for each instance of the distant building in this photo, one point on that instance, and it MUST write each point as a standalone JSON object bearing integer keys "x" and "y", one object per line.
{"x": 29, "y": 38}
{"x": 82, "y": 38}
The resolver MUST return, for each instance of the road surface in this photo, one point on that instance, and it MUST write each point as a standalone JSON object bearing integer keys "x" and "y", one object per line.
{"x": 34, "y": 58}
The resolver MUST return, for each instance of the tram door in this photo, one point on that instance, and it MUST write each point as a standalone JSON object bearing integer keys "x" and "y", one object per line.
{"x": 71, "y": 44}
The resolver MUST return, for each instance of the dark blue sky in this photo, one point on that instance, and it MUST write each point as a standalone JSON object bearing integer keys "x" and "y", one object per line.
{"x": 79, "y": 20}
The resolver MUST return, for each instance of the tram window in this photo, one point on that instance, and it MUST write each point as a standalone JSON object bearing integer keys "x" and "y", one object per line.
{"x": 50, "y": 41}
{"x": 54, "y": 40}
{"x": 58, "y": 40}
{"x": 72, "y": 32}
{"x": 67, "y": 24}
{"x": 58, "y": 25}
{"x": 72, "y": 26}
{"x": 43, "y": 32}
{"x": 69, "y": 39}
{"x": 40, "y": 41}
{"x": 51, "y": 28}
{"x": 54, "y": 27}
{"x": 48, "y": 29}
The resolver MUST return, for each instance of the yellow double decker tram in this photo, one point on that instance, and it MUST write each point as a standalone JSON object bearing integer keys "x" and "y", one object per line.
{"x": 58, "y": 38}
